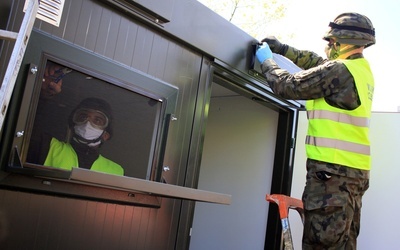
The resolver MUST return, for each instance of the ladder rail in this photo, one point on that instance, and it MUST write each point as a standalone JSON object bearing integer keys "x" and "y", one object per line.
{"x": 21, "y": 41}
{"x": 285, "y": 203}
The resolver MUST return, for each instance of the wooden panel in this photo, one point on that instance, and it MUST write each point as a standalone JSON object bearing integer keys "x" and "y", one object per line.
{"x": 89, "y": 22}
{"x": 48, "y": 222}
{"x": 70, "y": 26}
{"x": 143, "y": 48}
{"x": 12, "y": 206}
{"x": 127, "y": 224}
{"x": 158, "y": 57}
{"x": 107, "y": 34}
{"x": 125, "y": 43}
{"x": 44, "y": 226}
{"x": 89, "y": 221}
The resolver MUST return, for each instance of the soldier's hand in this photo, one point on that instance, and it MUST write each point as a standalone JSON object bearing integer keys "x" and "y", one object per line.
{"x": 273, "y": 43}
{"x": 263, "y": 53}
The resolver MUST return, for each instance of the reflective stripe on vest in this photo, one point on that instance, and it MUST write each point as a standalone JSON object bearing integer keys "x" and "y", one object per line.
{"x": 342, "y": 136}
{"x": 343, "y": 118}
{"x": 334, "y": 143}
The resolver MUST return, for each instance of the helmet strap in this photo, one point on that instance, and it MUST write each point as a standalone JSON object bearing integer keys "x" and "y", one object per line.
{"x": 349, "y": 50}
{"x": 352, "y": 28}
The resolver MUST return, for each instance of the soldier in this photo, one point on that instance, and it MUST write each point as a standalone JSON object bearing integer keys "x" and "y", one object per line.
{"x": 339, "y": 94}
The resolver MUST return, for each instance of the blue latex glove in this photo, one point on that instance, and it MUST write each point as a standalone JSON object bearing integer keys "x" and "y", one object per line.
{"x": 263, "y": 53}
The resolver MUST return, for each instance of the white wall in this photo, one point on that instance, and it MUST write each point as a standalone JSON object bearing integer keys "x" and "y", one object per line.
{"x": 379, "y": 221}
{"x": 237, "y": 159}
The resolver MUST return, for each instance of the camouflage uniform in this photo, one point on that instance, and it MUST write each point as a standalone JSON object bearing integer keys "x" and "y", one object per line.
{"x": 321, "y": 78}
{"x": 332, "y": 201}
{"x": 332, "y": 195}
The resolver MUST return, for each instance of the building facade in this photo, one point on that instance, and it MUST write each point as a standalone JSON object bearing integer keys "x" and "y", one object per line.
{"x": 156, "y": 62}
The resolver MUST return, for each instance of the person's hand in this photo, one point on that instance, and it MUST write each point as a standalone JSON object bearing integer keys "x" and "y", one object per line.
{"x": 273, "y": 43}
{"x": 50, "y": 87}
{"x": 263, "y": 53}
{"x": 52, "y": 79}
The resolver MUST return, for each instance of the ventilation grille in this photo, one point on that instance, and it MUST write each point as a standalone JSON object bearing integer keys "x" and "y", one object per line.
{"x": 49, "y": 11}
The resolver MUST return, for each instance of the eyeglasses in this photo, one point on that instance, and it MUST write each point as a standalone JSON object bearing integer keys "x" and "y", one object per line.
{"x": 59, "y": 74}
{"x": 97, "y": 118}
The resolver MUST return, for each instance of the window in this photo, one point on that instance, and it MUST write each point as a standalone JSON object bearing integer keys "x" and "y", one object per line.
{"x": 47, "y": 105}
{"x": 82, "y": 104}
{"x": 125, "y": 132}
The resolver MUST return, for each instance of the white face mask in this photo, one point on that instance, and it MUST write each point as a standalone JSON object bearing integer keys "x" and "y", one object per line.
{"x": 88, "y": 132}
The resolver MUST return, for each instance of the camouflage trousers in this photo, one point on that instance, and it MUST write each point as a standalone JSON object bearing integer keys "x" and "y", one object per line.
{"x": 332, "y": 205}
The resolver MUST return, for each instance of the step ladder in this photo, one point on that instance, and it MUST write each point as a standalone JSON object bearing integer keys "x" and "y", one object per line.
{"x": 21, "y": 39}
{"x": 285, "y": 203}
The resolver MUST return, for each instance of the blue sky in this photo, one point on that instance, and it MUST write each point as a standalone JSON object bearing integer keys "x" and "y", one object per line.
{"x": 306, "y": 21}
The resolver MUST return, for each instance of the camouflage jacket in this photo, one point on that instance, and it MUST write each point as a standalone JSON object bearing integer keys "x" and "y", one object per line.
{"x": 321, "y": 78}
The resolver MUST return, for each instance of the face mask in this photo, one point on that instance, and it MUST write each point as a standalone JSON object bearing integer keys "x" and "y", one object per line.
{"x": 332, "y": 51}
{"x": 337, "y": 50}
{"x": 90, "y": 134}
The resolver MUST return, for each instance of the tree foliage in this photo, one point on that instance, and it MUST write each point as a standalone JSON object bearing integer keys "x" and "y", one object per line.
{"x": 253, "y": 16}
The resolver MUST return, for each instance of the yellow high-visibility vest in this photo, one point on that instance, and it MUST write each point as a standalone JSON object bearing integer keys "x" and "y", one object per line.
{"x": 342, "y": 136}
{"x": 62, "y": 155}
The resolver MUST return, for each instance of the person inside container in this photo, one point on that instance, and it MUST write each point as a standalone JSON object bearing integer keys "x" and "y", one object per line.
{"x": 90, "y": 126}
{"x": 338, "y": 93}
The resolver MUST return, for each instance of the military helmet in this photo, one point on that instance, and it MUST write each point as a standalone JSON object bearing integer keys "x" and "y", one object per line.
{"x": 352, "y": 28}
